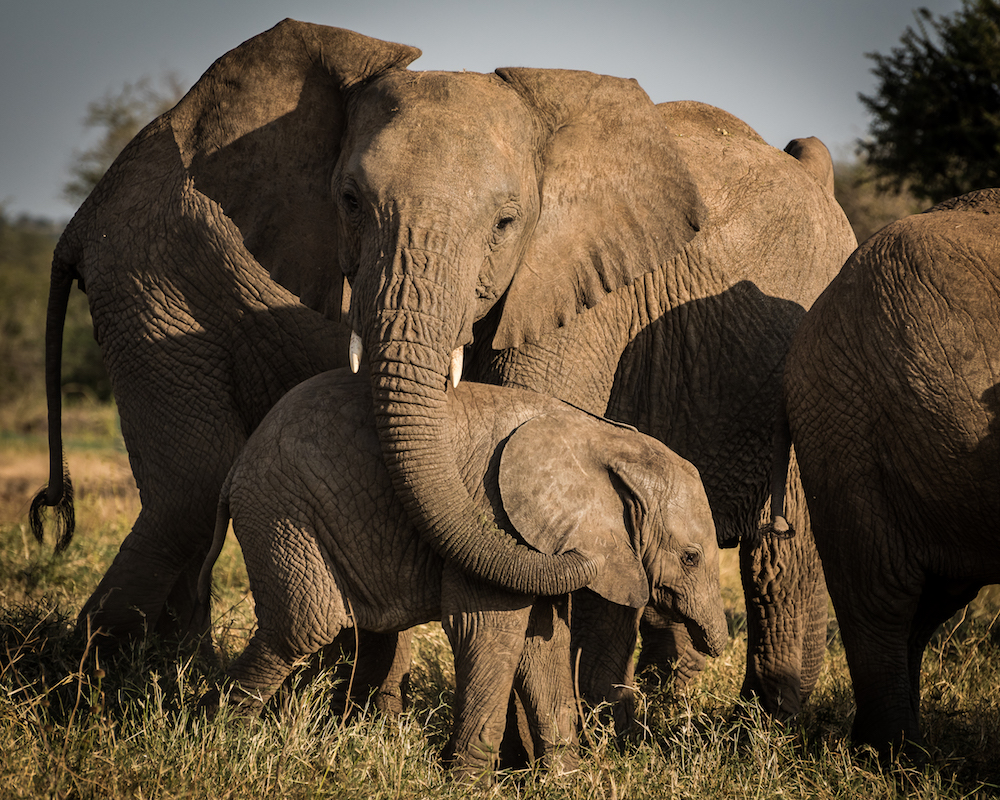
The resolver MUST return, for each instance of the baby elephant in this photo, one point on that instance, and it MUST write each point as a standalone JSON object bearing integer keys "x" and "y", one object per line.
{"x": 327, "y": 545}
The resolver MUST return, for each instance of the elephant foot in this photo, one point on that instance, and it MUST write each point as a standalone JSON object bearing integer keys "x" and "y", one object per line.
{"x": 473, "y": 766}
{"x": 780, "y": 704}
{"x": 891, "y": 741}
{"x": 561, "y": 760}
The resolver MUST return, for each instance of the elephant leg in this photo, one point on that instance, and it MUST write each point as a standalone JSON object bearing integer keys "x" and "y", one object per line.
{"x": 151, "y": 585}
{"x": 180, "y": 456}
{"x": 383, "y": 667}
{"x": 545, "y": 686}
{"x": 879, "y": 656}
{"x": 668, "y": 656}
{"x": 257, "y": 674}
{"x": 604, "y": 639}
{"x": 372, "y": 666}
{"x": 786, "y": 612}
{"x": 486, "y": 628}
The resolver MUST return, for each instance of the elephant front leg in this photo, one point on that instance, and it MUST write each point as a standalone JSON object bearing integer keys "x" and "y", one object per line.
{"x": 383, "y": 666}
{"x": 545, "y": 686}
{"x": 604, "y": 639}
{"x": 486, "y": 628}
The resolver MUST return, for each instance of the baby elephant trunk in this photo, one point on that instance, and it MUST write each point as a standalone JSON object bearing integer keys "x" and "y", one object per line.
{"x": 698, "y": 605}
{"x": 707, "y": 625}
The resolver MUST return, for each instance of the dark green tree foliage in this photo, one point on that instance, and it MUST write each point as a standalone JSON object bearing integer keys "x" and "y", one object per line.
{"x": 121, "y": 116}
{"x": 26, "y": 247}
{"x": 936, "y": 127}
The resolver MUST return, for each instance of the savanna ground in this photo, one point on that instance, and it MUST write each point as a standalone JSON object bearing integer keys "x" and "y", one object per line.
{"x": 75, "y": 725}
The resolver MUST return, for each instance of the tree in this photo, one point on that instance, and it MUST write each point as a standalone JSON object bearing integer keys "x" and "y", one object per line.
{"x": 121, "y": 116}
{"x": 936, "y": 127}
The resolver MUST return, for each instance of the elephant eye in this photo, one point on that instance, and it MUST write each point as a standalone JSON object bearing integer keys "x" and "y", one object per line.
{"x": 350, "y": 203}
{"x": 691, "y": 558}
{"x": 504, "y": 223}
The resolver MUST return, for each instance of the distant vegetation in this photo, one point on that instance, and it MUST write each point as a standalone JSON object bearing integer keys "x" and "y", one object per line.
{"x": 935, "y": 126}
{"x": 868, "y": 207}
{"x": 120, "y": 117}
{"x": 25, "y": 263}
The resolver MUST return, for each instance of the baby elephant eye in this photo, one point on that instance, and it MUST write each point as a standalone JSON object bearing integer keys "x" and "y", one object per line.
{"x": 691, "y": 558}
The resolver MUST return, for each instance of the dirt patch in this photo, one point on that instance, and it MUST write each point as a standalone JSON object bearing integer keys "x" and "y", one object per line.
{"x": 24, "y": 472}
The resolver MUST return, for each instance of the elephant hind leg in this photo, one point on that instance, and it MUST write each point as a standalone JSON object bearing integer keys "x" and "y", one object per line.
{"x": 258, "y": 672}
{"x": 878, "y": 643}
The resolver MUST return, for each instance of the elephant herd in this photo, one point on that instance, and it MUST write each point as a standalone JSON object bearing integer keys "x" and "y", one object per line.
{"x": 585, "y": 363}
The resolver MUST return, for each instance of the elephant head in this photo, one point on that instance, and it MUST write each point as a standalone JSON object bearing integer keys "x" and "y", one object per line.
{"x": 440, "y": 197}
{"x": 628, "y": 500}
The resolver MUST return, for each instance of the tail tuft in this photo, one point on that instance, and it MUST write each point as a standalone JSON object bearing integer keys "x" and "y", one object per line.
{"x": 63, "y": 510}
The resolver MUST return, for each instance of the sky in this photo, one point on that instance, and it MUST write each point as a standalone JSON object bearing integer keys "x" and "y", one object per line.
{"x": 789, "y": 68}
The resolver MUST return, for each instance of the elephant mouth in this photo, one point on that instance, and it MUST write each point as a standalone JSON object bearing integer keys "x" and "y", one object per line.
{"x": 709, "y": 632}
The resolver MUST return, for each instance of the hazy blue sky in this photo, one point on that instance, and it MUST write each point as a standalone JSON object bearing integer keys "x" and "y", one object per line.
{"x": 787, "y": 67}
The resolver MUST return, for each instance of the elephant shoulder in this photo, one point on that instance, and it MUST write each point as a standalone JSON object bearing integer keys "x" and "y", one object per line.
{"x": 691, "y": 118}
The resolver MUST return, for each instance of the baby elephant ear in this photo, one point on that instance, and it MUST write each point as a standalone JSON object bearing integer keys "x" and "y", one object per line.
{"x": 557, "y": 491}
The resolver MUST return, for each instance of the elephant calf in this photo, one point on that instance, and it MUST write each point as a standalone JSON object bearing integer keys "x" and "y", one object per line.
{"x": 327, "y": 545}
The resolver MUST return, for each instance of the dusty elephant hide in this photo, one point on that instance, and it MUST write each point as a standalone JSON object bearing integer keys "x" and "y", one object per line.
{"x": 327, "y": 545}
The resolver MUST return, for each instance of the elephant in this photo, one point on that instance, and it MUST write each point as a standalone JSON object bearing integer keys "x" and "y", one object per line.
{"x": 893, "y": 405}
{"x": 550, "y": 230}
{"x": 328, "y": 545}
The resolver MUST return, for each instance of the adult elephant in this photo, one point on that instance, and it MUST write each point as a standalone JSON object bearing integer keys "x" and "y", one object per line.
{"x": 562, "y": 233}
{"x": 198, "y": 340}
{"x": 893, "y": 397}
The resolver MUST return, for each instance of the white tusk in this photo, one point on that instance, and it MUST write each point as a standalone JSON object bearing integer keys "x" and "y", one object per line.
{"x": 355, "y": 352}
{"x": 455, "y": 369}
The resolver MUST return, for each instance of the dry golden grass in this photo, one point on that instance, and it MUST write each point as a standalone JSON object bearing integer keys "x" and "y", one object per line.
{"x": 75, "y": 724}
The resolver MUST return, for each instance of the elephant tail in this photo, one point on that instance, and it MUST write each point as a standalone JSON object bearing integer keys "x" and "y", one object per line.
{"x": 58, "y": 493}
{"x": 218, "y": 540}
{"x": 778, "y": 526}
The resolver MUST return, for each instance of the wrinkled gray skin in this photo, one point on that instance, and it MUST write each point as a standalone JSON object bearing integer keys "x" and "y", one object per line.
{"x": 327, "y": 544}
{"x": 893, "y": 397}
{"x": 646, "y": 263}
{"x": 198, "y": 340}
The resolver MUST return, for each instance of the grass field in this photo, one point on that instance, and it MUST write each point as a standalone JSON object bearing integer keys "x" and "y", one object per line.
{"x": 75, "y": 726}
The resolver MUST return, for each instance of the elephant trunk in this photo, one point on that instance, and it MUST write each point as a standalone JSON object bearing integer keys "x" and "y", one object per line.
{"x": 411, "y": 406}
{"x": 705, "y": 618}
{"x": 700, "y": 609}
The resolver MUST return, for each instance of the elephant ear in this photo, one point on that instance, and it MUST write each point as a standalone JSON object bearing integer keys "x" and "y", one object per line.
{"x": 617, "y": 199}
{"x": 260, "y": 133}
{"x": 558, "y": 490}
